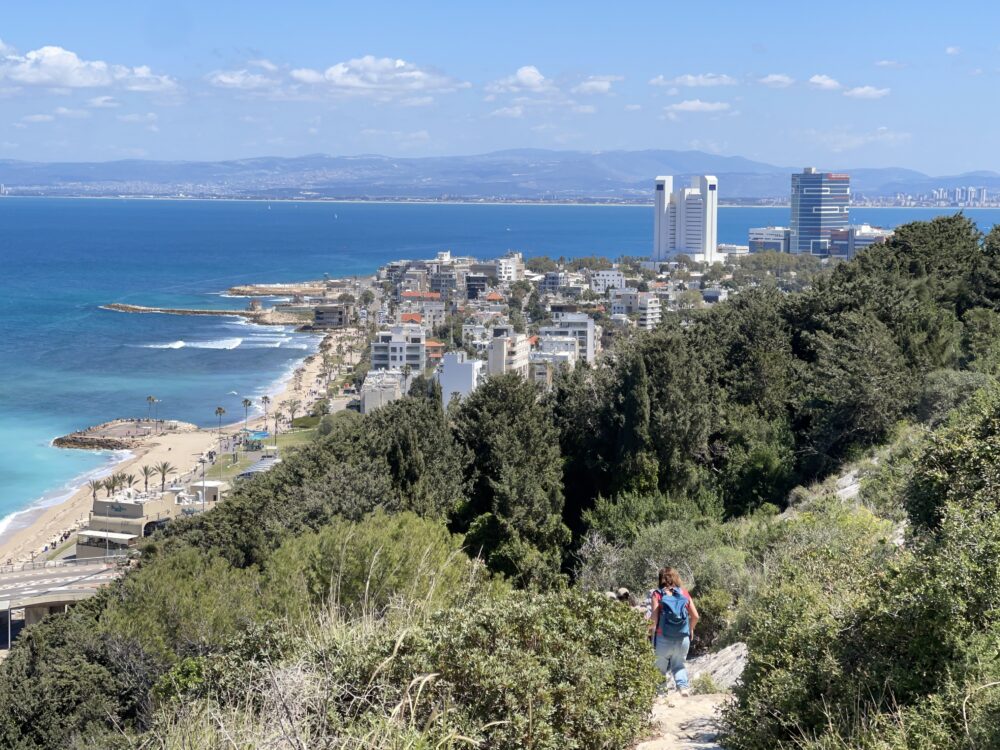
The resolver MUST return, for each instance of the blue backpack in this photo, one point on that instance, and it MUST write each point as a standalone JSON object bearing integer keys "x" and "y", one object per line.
{"x": 674, "y": 618}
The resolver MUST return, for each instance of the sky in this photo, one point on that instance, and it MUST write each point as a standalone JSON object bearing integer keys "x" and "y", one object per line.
{"x": 864, "y": 84}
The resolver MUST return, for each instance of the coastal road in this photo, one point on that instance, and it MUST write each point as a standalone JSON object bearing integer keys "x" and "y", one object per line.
{"x": 41, "y": 588}
{"x": 28, "y": 584}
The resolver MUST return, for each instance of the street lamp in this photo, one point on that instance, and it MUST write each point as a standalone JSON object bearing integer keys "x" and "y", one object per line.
{"x": 202, "y": 461}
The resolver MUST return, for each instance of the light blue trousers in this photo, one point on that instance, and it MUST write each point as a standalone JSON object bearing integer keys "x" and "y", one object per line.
{"x": 670, "y": 656}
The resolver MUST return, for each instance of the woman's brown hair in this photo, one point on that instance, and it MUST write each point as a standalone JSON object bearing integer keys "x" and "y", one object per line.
{"x": 669, "y": 578}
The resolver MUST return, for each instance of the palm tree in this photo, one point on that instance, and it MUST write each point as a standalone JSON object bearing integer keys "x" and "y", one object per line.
{"x": 247, "y": 403}
{"x": 293, "y": 407}
{"x": 147, "y": 472}
{"x": 129, "y": 481}
{"x": 110, "y": 484}
{"x": 219, "y": 411}
{"x": 163, "y": 469}
{"x": 278, "y": 416}
{"x": 265, "y": 401}
{"x": 150, "y": 400}
{"x": 94, "y": 485}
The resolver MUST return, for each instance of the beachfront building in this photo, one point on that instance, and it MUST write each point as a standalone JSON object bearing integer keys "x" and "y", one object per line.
{"x": 578, "y": 325}
{"x": 508, "y": 352}
{"x": 118, "y": 522}
{"x": 460, "y": 375}
{"x": 602, "y": 281}
{"x": 686, "y": 220}
{"x": 401, "y": 347}
{"x": 820, "y": 205}
{"x": 332, "y": 316}
{"x": 382, "y": 387}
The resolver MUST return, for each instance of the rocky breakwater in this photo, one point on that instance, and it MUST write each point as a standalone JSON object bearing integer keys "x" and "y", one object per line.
{"x": 264, "y": 317}
{"x": 119, "y": 434}
{"x": 305, "y": 288}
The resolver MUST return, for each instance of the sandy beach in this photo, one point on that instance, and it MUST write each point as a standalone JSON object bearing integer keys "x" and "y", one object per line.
{"x": 183, "y": 447}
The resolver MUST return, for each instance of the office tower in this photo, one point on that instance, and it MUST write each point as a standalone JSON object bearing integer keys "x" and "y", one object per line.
{"x": 819, "y": 206}
{"x": 763, "y": 239}
{"x": 686, "y": 221}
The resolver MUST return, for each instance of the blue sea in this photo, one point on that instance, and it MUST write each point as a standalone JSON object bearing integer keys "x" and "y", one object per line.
{"x": 68, "y": 364}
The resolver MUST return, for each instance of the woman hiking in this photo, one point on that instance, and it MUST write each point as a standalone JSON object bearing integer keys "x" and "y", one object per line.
{"x": 674, "y": 618}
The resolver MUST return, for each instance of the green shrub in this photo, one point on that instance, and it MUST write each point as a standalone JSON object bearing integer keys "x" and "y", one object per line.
{"x": 519, "y": 671}
{"x": 370, "y": 566}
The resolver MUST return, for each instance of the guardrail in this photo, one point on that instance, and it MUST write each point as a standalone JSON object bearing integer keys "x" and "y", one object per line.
{"x": 42, "y": 564}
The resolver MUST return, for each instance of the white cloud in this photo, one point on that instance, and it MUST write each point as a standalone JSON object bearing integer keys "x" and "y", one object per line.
{"x": 633, "y": 107}
{"x": 584, "y": 109}
{"x": 866, "y": 92}
{"x": 777, "y": 80}
{"x": 6, "y": 49}
{"x": 697, "y": 105}
{"x": 73, "y": 114}
{"x": 596, "y": 85}
{"x": 148, "y": 117}
{"x": 55, "y": 67}
{"x": 844, "y": 140}
{"x": 528, "y": 78}
{"x": 515, "y": 111}
{"x": 378, "y": 77}
{"x": 103, "y": 102}
{"x": 888, "y": 64}
{"x": 242, "y": 79}
{"x": 953, "y": 50}
{"x": 825, "y": 82}
{"x": 267, "y": 65}
{"x": 38, "y": 118}
{"x": 695, "y": 80}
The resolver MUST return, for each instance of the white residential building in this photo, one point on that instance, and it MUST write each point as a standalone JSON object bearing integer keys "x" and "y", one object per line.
{"x": 400, "y": 347}
{"x": 380, "y": 388}
{"x": 645, "y": 305}
{"x": 508, "y": 353}
{"x": 602, "y": 281}
{"x": 579, "y": 325}
{"x": 459, "y": 375}
{"x": 510, "y": 268}
{"x": 686, "y": 220}
{"x": 564, "y": 346}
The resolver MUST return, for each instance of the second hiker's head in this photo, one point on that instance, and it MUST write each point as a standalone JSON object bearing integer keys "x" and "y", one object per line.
{"x": 669, "y": 578}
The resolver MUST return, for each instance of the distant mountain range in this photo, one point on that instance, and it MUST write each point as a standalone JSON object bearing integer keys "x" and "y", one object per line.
{"x": 525, "y": 174}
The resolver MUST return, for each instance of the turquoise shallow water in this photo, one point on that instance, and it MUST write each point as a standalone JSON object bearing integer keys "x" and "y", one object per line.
{"x": 67, "y": 364}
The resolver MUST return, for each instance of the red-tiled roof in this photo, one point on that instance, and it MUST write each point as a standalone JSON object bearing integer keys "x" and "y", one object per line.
{"x": 421, "y": 295}
{"x": 432, "y": 344}
{"x": 494, "y": 297}
{"x": 411, "y": 318}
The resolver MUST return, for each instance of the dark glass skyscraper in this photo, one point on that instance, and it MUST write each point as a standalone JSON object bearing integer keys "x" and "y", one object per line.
{"x": 819, "y": 206}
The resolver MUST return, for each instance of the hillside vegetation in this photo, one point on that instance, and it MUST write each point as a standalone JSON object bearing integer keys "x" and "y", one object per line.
{"x": 420, "y": 578}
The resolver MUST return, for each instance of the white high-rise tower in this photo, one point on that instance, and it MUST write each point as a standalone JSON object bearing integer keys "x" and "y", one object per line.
{"x": 687, "y": 220}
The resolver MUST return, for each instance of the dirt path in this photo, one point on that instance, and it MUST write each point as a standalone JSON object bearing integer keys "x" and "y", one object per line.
{"x": 685, "y": 723}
